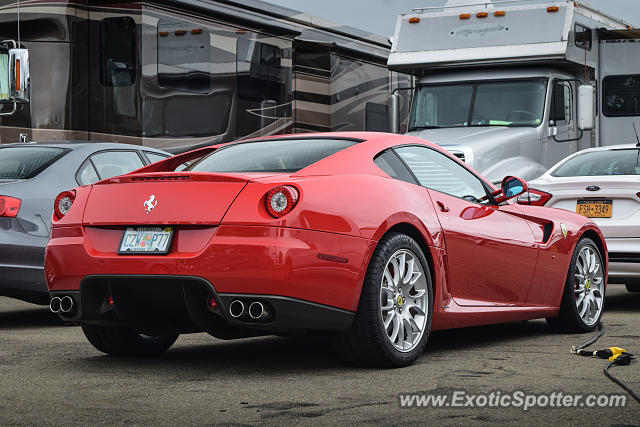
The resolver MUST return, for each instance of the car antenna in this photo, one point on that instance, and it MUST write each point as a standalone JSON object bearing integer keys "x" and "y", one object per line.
{"x": 636, "y": 131}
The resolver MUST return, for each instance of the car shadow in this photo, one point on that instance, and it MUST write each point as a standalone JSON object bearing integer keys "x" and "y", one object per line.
{"x": 38, "y": 316}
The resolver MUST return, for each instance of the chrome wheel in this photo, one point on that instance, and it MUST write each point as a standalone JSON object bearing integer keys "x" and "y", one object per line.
{"x": 404, "y": 300}
{"x": 588, "y": 278}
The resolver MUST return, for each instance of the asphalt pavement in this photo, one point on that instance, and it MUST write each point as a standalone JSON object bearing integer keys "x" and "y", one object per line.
{"x": 50, "y": 375}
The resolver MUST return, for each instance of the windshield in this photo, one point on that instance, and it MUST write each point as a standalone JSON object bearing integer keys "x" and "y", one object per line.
{"x": 510, "y": 103}
{"x": 284, "y": 155}
{"x": 27, "y": 162}
{"x": 598, "y": 163}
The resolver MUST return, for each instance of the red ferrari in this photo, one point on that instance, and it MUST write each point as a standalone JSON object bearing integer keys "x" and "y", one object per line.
{"x": 379, "y": 238}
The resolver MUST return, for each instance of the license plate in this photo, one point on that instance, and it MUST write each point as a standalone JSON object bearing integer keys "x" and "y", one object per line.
{"x": 146, "y": 240}
{"x": 595, "y": 208}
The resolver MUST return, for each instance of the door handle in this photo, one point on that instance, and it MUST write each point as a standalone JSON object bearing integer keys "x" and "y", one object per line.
{"x": 442, "y": 207}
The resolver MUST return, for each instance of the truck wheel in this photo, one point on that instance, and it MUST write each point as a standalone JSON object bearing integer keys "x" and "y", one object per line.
{"x": 583, "y": 298}
{"x": 125, "y": 341}
{"x": 393, "y": 319}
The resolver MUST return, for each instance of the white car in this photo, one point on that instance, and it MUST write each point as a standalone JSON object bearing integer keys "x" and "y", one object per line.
{"x": 603, "y": 184}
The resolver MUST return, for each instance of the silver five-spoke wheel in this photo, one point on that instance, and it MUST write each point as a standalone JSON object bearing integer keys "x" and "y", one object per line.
{"x": 404, "y": 300}
{"x": 589, "y": 285}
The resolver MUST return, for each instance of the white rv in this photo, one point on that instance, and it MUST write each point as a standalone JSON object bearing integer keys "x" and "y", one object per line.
{"x": 513, "y": 87}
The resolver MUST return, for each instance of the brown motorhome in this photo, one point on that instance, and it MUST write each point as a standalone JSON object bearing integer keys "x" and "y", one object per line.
{"x": 178, "y": 74}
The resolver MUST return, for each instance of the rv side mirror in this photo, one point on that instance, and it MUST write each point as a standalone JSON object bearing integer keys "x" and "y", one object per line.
{"x": 14, "y": 76}
{"x": 394, "y": 114}
{"x": 586, "y": 96}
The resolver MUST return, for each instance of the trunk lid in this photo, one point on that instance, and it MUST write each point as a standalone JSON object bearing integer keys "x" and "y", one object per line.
{"x": 163, "y": 199}
{"x": 620, "y": 190}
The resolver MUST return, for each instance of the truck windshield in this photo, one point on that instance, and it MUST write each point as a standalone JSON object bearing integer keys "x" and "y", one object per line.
{"x": 505, "y": 103}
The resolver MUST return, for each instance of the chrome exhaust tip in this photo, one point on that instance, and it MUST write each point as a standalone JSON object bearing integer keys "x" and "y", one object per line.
{"x": 257, "y": 311}
{"x": 54, "y": 304}
{"x": 66, "y": 304}
{"x": 236, "y": 308}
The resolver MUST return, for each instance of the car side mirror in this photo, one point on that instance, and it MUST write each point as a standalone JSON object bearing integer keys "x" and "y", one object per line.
{"x": 511, "y": 187}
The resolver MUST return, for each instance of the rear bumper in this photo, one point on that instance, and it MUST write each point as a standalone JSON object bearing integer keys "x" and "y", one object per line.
{"x": 167, "y": 304}
{"x": 311, "y": 279}
{"x": 21, "y": 266}
{"x": 624, "y": 258}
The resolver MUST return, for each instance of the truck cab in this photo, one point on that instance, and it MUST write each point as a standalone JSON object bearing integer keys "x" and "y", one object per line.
{"x": 506, "y": 99}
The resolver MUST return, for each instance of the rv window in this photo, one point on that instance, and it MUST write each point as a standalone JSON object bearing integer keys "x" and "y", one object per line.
{"x": 583, "y": 37}
{"x": 184, "y": 57}
{"x": 561, "y": 104}
{"x": 377, "y": 117}
{"x": 621, "y": 95}
{"x": 117, "y": 51}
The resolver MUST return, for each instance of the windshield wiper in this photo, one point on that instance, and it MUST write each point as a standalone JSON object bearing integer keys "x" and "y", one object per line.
{"x": 424, "y": 127}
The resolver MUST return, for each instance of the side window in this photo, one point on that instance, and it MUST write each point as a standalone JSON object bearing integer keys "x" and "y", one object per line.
{"x": 87, "y": 174}
{"x": 114, "y": 163}
{"x": 438, "y": 172}
{"x": 155, "y": 157}
{"x": 561, "y": 103}
{"x": 376, "y": 117}
{"x": 583, "y": 37}
{"x": 184, "y": 57}
{"x": 390, "y": 164}
{"x": 117, "y": 51}
{"x": 621, "y": 95}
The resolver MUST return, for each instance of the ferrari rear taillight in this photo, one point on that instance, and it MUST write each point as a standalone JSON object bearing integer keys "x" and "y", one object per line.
{"x": 281, "y": 200}
{"x": 9, "y": 206}
{"x": 63, "y": 203}
{"x": 534, "y": 197}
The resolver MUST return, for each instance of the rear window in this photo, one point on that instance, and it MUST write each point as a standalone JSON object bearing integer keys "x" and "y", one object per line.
{"x": 598, "y": 163}
{"x": 27, "y": 162}
{"x": 284, "y": 155}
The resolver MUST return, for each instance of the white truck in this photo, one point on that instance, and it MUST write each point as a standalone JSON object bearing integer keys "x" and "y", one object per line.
{"x": 513, "y": 87}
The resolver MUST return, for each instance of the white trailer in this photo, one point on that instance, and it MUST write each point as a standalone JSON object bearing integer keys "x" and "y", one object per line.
{"x": 509, "y": 86}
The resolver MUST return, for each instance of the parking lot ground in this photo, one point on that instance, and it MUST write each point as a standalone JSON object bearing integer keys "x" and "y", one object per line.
{"x": 50, "y": 375}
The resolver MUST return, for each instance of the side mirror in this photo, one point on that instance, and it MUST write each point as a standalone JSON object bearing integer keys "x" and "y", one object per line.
{"x": 586, "y": 96}
{"x": 394, "y": 120}
{"x": 511, "y": 187}
{"x": 14, "y": 75}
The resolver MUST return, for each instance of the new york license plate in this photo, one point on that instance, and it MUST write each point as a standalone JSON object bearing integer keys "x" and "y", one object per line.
{"x": 595, "y": 208}
{"x": 146, "y": 240}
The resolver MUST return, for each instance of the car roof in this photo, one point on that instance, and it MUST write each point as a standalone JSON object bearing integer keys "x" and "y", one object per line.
{"x": 84, "y": 145}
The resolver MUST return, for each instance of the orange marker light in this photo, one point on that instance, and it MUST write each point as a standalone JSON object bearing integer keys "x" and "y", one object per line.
{"x": 482, "y": 15}
{"x": 180, "y": 32}
{"x": 464, "y": 16}
{"x": 17, "y": 74}
{"x": 499, "y": 13}
{"x": 196, "y": 31}
{"x": 163, "y": 33}
{"x": 553, "y": 9}
{"x": 414, "y": 20}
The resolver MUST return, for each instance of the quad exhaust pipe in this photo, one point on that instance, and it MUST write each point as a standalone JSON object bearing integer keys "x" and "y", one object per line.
{"x": 61, "y": 305}
{"x": 255, "y": 310}
{"x": 236, "y": 308}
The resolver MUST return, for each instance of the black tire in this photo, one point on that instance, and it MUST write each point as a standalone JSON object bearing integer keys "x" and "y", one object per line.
{"x": 632, "y": 285}
{"x": 366, "y": 343}
{"x": 568, "y": 319}
{"x": 125, "y": 341}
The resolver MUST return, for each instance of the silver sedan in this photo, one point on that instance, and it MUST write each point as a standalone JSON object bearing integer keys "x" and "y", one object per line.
{"x": 31, "y": 176}
{"x": 603, "y": 184}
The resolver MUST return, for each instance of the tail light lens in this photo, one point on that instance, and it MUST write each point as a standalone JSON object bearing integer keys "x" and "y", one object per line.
{"x": 63, "y": 203}
{"x": 281, "y": 200}
{"x": 534, "y": 198}
{"x": 9, "y": 207}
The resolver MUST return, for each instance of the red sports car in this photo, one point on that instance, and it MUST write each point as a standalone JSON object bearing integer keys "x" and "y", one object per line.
{"x": 380, "y": 238}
